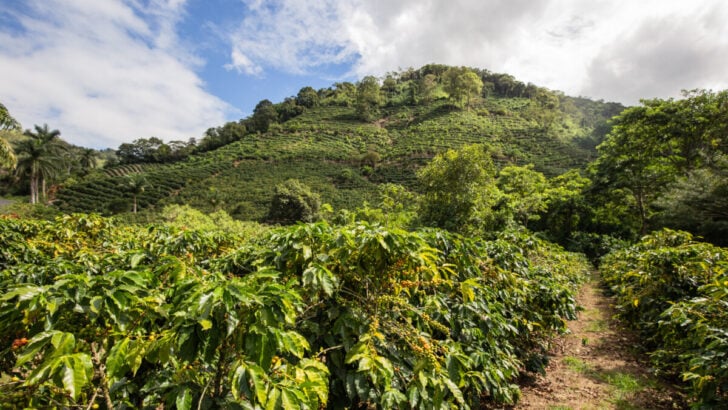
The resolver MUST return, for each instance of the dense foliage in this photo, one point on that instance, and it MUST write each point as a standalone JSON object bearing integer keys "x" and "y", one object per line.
{"x": 356, "y": 311}
{"x": 308, "y": 316}
{"x": 666, "y": 161}
{"x": 674, "y": 290}
{"x": 345, "y": 140}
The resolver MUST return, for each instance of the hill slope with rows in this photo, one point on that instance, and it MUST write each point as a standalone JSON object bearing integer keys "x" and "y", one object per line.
{"x": 344, "y": 158}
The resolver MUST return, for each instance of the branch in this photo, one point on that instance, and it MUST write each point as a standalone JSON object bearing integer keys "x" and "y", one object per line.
{"x": 101, "y": 368}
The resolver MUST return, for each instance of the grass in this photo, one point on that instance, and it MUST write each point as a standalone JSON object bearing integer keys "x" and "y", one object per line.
{"x": 577, "y": 365}
{"x": 622, "y": 385}
{"x": 598, "y": 325}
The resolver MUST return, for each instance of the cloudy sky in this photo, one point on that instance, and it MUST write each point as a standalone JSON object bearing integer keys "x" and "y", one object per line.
{"x": 109, "y": 71}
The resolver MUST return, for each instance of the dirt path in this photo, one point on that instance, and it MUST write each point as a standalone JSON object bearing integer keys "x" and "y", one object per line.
{"x": 597, "y": 367}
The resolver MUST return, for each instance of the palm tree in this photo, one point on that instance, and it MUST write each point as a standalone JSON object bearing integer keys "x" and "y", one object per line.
{"x": 38, "y": 164}
{"x": 135, "y": 185}
{"x": 87, "y": 159}
{"x": 40, "y": 159}
{"x": 54, "y": 147}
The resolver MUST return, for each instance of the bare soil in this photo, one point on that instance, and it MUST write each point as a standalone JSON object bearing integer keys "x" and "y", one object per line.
{"x": 598, "y": 366}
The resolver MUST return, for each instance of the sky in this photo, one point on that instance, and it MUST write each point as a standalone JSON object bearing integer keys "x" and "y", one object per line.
{"x": 104, "y": 72}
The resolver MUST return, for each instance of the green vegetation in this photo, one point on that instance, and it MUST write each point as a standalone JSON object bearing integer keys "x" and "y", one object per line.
{"x": 412, "y": 279}
{"x": 673, "y": 290}
{"x": 346, "y": 140}
{"x": 310, "y": 315}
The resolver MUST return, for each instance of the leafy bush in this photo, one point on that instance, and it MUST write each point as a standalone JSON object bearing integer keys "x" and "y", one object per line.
{"x": 675, "y": 291}
{"x": 292, "y": 202}
{"x": 308, "y": 316}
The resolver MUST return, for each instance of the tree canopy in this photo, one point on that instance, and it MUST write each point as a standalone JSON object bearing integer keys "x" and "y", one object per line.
{"x": 462, "y": 84}
{"x": 368, "y": 98}
{"x": 459, "y": 189}
{"x": 293, "y": 201}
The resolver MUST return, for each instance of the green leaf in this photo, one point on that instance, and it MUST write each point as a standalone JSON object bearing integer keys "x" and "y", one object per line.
{"x": 289, "y": 400}
{"x": 116, "y": 360}
{"x": 205, "y": 323}
{"x": 392, "y": 399}
{"x": 273, "y": 400}
{"x": 136, "y": 259}
{"x": 184, "y": 399}
{"x": 69, "y": 378}
{"x": 455, "y": 390}
{"x": 63, "y": 342}
{"x": 294, "y": 343}
{"x": 23, "y": 293}
{"x": 358, "y": 352}
{"x": 250, "y": 379}
{"x": 34, "y": 346}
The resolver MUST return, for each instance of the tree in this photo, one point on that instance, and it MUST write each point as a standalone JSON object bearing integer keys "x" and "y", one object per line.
{"x": 459, "y": 190}
{"x": 344, "y": 94}
{"x": 263, "y": 115}
{"x": 698, "y": 202}
{"x": 368, "y": 98}
{"x": 427, "y": 88}
{"x": 217, "y": 137}
{"x": 567, "y": 206}
{"x": 40, "y": 159}
{"x": 7, "y": 124}
{"x": 293, "y": 201}
{"x": 7, "y": 156}
{"x": 462, "y": 84}
{"x": 307, "y": 97}
{"x": 88, "y": 159}
{"x": 288, "y": 109}
{"x": 389, "y": 87}
{"x": 652, "y": 145}
{"x": 524, "y": 193}
{"x": 143, "y": 150}
{"x": 135, "y": 185}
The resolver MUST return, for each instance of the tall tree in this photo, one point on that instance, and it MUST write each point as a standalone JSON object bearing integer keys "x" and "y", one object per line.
{"x": 524, "y": 193}
{"x": 41, "y": 159}
{"x": 462, "y": 84}
{"x": 7, "y": 124}
{"x": 459, "y": 190}
{"x": 135, "y": 185}
{"x": 427, "y": 87}
{"x": 7, "y": 156}
{"x": 652, "y": 145}
{"x": 307, "y": 97}
{"x": 87, "y": 159}
{"x": 368, "y": 98}
{"x": 264, "y": 115}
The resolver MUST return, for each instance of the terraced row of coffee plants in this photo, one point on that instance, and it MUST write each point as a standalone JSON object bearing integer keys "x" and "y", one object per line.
{"x": 324, "y": 148}
{"x": 246, "y": 188}
{"x": 102, "y": 194}
{"x": 312, "y": 316}
{"x": 674, "y": 291}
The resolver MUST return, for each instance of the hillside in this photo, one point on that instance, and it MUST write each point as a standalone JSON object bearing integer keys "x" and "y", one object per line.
{"x": 343, "y": 158}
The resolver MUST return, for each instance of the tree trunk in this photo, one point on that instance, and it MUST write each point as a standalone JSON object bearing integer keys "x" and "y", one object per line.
{"x": 33, "y": 189}
{"x": 643, "y": 212}
{"x": 135, "y": 205}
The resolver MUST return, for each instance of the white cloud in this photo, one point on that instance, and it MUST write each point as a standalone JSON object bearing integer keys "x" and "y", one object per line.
{"x": 291, "y": 36}
{"x": 104, "y": 72}
{"x": 617, "y": 50}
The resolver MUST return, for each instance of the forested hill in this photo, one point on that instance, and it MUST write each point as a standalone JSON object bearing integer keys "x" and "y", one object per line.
{"x": 344, "y": 140}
